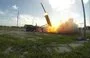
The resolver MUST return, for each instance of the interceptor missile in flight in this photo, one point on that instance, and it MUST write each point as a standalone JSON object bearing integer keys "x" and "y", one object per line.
{"x": 46, "y": 16}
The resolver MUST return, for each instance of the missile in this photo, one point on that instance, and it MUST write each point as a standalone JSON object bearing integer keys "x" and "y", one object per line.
{"x": 43, "y": 7}
{"x": 46, "y": 16}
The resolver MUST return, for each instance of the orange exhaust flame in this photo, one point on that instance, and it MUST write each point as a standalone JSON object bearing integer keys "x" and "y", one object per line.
{"x": 52, "y": 29}
{"x": 67, "y": 27}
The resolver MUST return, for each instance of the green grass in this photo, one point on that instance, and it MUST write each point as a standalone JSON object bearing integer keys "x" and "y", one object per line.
{"x": 24, "y": 48}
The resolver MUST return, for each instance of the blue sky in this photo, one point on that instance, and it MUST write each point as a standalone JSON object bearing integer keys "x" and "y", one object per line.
{"x": 31, "y": 11}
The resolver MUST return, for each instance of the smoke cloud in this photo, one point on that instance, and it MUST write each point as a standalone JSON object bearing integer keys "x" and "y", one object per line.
{"x": 67, "y": 27}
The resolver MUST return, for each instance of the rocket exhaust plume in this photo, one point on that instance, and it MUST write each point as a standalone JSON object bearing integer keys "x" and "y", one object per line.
{"x": 46, "y": 16}
{"x": 65, "y": 28}
{"x": 68, "y": 27}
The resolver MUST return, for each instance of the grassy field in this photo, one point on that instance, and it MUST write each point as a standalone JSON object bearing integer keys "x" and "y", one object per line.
{"x": 18, "y": 44}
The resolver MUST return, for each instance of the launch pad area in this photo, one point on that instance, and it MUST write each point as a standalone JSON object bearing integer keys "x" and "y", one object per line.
{"x": 15, "y": 40}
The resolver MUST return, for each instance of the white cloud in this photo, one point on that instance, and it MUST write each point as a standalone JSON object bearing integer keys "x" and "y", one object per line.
{"x": 2, "y": 13}
{"x": 28, "y": 19}
{"x": 60, "y": 5}
{"x": 25, "y": 19}
{"x": 15, "y": 7}
{"x": 85, "y": 1}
